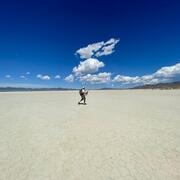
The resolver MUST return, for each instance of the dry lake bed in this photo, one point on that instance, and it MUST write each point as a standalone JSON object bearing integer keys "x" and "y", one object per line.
{"x": 118, "y": 135}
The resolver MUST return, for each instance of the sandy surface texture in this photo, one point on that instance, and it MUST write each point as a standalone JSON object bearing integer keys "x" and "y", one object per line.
{"x": 118, "y": 135}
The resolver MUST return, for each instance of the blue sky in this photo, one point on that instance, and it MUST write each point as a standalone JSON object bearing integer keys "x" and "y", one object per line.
{"x": 44, "y": 38}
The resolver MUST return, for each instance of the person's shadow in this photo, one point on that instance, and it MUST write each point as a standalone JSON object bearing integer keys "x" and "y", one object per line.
{"x": 82, "y": 103}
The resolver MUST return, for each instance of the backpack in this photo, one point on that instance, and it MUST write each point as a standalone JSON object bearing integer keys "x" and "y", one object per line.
{"x": 81, "y": 91}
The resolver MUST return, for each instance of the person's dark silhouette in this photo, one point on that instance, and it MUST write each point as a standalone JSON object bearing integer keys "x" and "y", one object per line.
{"x": 82, "y": 93}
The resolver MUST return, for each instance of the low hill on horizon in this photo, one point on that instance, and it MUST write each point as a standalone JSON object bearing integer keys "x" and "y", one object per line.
{"x": 19, "y": 89}
{"x": 172, "y": 85}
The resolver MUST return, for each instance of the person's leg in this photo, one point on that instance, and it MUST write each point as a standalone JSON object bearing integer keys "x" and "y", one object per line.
{"x": 84, "y": 98}
{"x": 81, "y": 99}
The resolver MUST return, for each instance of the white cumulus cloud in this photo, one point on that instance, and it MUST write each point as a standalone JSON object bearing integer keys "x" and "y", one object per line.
{"x": 69, "y": 78}
{"x": 39, "y": 76}
{"x": 43, "y": 77}
{"x": 108, "y": 48}
{"x": 164, "y": 74}
{"x": 97, "y": 49}
{"x": 96, "y": 78}
{"x": 46, "y": 77}
{"x": 168, "y": 71}
{"x": 57, "y": 77}
{"x": 90, "y": 65}
{"x": 90, "y": 50}
{"x": 126, "y": 79}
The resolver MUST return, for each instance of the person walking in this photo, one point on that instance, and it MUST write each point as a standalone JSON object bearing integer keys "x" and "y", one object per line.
{"x": 83, "y": 93}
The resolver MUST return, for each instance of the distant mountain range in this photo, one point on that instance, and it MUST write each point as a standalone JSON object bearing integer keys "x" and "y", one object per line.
{"x": 17, "y": 89}
{"x": 172, "y": 85}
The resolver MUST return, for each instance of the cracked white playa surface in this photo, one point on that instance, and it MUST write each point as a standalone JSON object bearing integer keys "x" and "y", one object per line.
{"x": 119, "y": 135}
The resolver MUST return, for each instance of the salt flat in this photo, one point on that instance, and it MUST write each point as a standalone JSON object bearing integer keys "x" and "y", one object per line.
{"x": 128, "y": 135}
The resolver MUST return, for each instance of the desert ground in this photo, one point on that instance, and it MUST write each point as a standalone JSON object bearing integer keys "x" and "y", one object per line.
{"x": 118, "y": 135}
